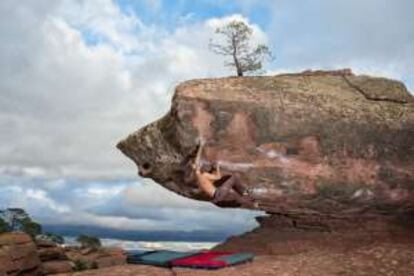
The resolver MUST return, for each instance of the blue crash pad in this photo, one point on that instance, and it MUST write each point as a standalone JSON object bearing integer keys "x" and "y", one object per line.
{"x": 157, "y": 257}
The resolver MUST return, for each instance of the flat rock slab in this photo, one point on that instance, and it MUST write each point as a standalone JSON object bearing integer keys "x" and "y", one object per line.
{"x": 57, "y": 266}
{"x": 125, "y": 270}
{"x": 365, "y": 261}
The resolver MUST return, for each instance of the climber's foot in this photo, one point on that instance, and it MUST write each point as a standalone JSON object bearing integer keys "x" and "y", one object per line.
{"x": 248, "y": 202}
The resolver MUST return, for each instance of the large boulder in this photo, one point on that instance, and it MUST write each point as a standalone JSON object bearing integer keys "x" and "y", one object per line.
{"x": 18, "y": 255}
{"x": 320, "y": 143}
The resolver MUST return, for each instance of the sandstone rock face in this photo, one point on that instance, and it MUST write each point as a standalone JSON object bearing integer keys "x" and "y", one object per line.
{"x": 101, "y": 258}
{"x": 18, "y": 255}
{"x": 53, "y": 258}
{"x": 318, "y": 143}
{"x": 51, "y": 253}
{"x": 56, "y": 267}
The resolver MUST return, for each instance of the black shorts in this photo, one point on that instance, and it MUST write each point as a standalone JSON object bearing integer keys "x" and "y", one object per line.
{"x": 223, "y": 179}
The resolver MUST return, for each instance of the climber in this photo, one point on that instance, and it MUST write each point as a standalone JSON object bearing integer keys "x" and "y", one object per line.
{"x": 230, "y": 191}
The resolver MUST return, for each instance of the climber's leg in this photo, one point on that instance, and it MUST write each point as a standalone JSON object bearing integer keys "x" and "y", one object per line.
{"x": 233, "y": 199}
{"x": 238, "y": 185}
{"x": 232, "y": 190}
{"x": 222, "y": 192}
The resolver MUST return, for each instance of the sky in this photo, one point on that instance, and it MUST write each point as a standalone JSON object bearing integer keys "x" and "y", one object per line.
{"x": 77, "y": 76}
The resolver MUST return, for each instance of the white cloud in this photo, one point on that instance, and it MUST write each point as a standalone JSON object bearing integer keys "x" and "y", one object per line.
{"x": 66, "y": 101}
{"x": 103, "y": 20}
{"x": 44, "y": 201}
{"x": 123, "y": 206}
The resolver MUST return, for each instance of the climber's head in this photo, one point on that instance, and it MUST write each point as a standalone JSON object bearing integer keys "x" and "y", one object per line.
{"x": 208, "y": 167}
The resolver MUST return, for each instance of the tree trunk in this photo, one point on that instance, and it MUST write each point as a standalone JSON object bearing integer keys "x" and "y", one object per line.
{"x": 236, "y": 61}
{"x": 239, "y": 72}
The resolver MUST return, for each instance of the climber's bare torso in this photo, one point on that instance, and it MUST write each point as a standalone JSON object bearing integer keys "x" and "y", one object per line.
{"x": 206, "y": 181}
{"x": 231, "y": 191}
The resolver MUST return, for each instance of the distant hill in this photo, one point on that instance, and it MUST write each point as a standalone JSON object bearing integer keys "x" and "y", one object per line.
{"x": 101, "y": 232}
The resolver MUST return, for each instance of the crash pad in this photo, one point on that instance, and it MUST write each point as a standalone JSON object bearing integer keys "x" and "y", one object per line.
{"x": 193, "y": 259}
{"x": 213, "y": 259}
{"x": 157, "y": 257}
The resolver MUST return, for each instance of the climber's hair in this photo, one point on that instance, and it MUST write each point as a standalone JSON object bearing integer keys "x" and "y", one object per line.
{"x": 207, "y": 167}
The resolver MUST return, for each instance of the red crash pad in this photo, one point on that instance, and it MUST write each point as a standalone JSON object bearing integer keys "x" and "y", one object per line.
{"x": 213, "y": 259}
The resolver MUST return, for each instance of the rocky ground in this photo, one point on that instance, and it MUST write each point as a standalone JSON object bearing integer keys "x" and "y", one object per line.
{"x": 283, "y": 246}
{"x": 292, "y": 247}
{"x": 20, "y": 255}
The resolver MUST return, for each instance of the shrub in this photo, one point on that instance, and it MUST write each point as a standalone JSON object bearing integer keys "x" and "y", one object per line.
{"x": 4, "y": 227}
{"x": 16, "y": 219}
{"x": 31, "y": 228}
{"x": 80, "y": 265}
{"x": 52, "y": 237}
{"x": 89, "y": 241}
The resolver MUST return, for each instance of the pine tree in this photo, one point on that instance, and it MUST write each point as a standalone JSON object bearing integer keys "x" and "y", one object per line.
{"x": 236, "y": 43}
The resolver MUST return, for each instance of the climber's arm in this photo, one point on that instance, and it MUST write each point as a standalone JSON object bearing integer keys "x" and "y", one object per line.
{"x": 197, "y": 163}
{"x": 214, "y": 176}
